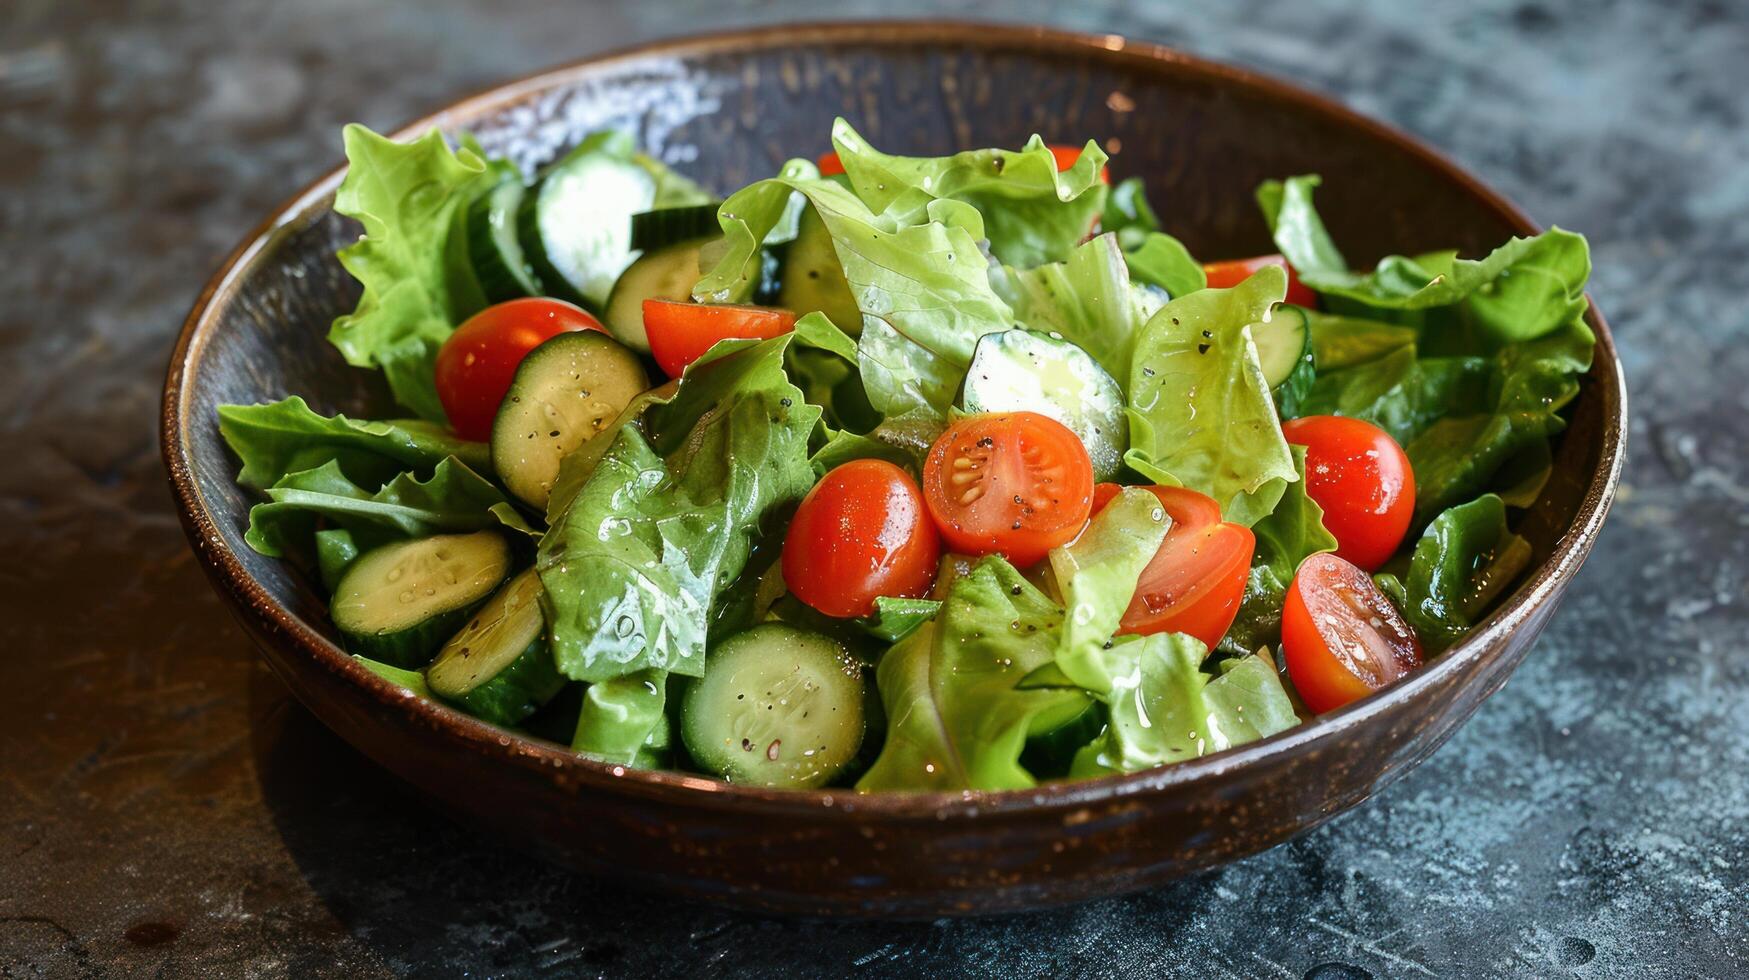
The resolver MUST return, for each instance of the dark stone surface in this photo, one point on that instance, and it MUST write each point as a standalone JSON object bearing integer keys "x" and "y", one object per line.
{"x": 164, "y": 810}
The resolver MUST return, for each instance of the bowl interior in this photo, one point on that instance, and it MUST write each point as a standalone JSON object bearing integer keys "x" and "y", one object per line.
{"x": 727, "y": 111}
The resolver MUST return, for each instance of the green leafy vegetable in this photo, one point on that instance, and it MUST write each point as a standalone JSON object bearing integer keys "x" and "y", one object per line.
{"x": 1461, "y": 564}
{"x": 1164, "y": 709}
{"x": 955, "y": 719}
{"x": 1088, "y": 300}
{"x": 455, "y": 499}
{"x": 665, "y": 521}
{"x": 412, "y": 680}
{"x": 1293, "y": 532}
{"x": 621, "y": 716}
{"x": 1128, "y": 213}
{"x": 1200, "y": 411}
{"x": 1097, "y": 575}
{"x": 1032, "y": 213}
{"x": 406, "y": 196}
{"x": 288, "y": 436}
{"x": 895, "y": 618}
{"x": 1161, "y": 260}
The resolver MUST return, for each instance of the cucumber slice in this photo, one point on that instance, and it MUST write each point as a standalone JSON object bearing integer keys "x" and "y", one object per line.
{"x": 667, "y": 273}
{"x": 777, "y": 706}
{"x": 397, "y": 603}
{"x": 813, "y": 278}
{"x": 564, "y": 392}
{"x": 1284, "y": 348}
{"x": 670, "y": 226}
{"x": 499, "y": 667}
{"x": 1024, "y": 371}
{"x": 1052, "y": 743}
{"x": 496, "y": 253}
{"x": 576, "y": 222}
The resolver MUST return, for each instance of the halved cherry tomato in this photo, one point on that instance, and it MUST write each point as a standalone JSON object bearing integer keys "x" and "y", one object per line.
{"x": 1067, "y": 155}
{"x": 1341, "y": 638}
{"x": 1195, "y": 582}
{"x": 1362, "y": 479}
{"x": 475, "y": 365}
{"x": 1016, "y": 483}
{"x": 1232, "y": 272}
{"x": 680, "y": 333}
{"x": 862, "y": 532}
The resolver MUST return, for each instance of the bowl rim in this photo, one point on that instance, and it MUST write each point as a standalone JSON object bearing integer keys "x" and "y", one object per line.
{"x": 509, "y": 748}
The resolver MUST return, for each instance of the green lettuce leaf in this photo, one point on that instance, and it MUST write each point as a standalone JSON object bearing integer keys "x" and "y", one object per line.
{"x": 1032, "y": 213}
{"x": 1097, "y": 575}
{"x": 955, "y": 719}
{"x": 1165, "y": 709}
{"x": 1461, "y": 564}
{"x": 622, "y": 717}
{"x": 896, "y": 618}
{"x": 406, "y": 196}
{"x": 1161, "y": 260}
{"x": 1088, "y": 300}
{"x": 283, "y": 437}
{"x": 665, "y": 520}
{"x": 1200, "y": 411}
{"x": 1128, "y": 214}
{"x": 454, "y": 499}
{"x": 921, "y": 283}
{"x": 1293, "y": 532}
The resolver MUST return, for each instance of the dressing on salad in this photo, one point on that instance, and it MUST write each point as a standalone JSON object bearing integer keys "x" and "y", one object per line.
{"x": 903, "y": 473}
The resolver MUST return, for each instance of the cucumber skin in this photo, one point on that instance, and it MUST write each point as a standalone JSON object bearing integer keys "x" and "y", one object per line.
{"x": 1049, "y": 754}
{"x": 411, "y": 648}
{"x": 528, "y": 219}
{"x": 517, "y": 691}
{"x": 662, "y": 227}
{"x": 499, "y": 278}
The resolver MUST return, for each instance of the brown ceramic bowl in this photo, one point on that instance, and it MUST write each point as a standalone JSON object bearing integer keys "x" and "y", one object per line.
{"x": 728, "y": 109}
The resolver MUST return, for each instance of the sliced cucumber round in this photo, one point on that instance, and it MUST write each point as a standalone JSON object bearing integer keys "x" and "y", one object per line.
{"x": 670, "y": 226}
{"x": 564, "y": 392}
{"x": 576, "y": 222}
{"x": 777, "y": 706}
{"x": 397, "y": 603}
{"x": 667, "y": 273}
{"x": 493, "y": 248}
{"x": 1024, "y": 371}
{"x": 499, "y": 667}
{"x": 813, "y": 278}
{"x": 1284, "y": 349}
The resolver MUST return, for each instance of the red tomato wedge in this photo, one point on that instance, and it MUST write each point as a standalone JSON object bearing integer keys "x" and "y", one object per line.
{"x": 861, "y": 533}
{"x": 680, "y": 333}
{"x": 1232, "y": 272}
{"x": 1362, "y": 479}
{"x": 475, "y": 365}
{"x": 1195, "y": 582}
{"x": 1341, "y": 638}
{"x": 1015, "y": 483}
{"x": 829, "y": 164}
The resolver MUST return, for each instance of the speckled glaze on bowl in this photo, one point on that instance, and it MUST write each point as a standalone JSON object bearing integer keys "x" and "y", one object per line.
{"x": 728, "y": 109}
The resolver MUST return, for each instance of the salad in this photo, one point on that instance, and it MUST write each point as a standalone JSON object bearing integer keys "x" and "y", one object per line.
{"x": 902, "y": 473}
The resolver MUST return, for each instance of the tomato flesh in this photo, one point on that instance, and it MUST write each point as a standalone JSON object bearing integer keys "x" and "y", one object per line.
{"x": 1195, "y": 582}
{"x": 1232, "y": 272}
{"x": 861, "y": 533}
{"x": 1341, "y": 638}
{"x": 1016, "y": 484}
{"x": 681, "y": 333}
{"x": 476, "y": 364}
{"x": 829, "y": 164}
{"x": 1362, "y": 479}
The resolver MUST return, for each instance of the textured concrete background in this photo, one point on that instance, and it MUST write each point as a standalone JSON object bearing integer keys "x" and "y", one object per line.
{"x": 164, "y": 811}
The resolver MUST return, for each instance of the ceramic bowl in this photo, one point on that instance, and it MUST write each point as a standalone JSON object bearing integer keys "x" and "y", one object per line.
{"x": 727, "y": 109}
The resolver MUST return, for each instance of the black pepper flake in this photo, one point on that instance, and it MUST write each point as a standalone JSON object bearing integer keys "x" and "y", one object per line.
{"x": 785, "y": 402}
{"x": 1175, "y": 321}
{"x": 1210, "y": 336}
{"x": 986, "y": 442}
{"x": 1202, "y": 348}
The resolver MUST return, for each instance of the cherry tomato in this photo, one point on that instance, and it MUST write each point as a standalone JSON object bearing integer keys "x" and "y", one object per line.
{"x": 477, "y": 362}
{"x": 680, "y": 333}
{"x": 862, "y": 532}
{"x": 1341, "y": 638}
{"x": 1362, "y": 479}
{"x": 1067, "y": 155}
{"x": 1016, "y": 483}
{"x": 829, "y": 164}
{"x": 1232, "y": 272}
{"x": 1195, "y": 582}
